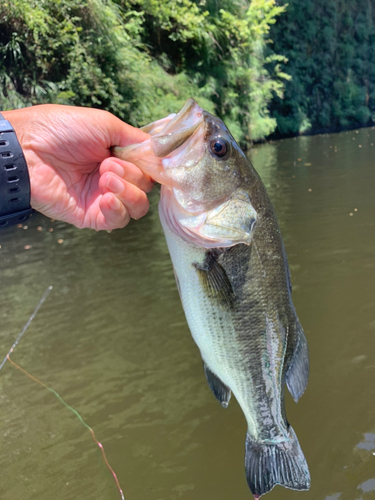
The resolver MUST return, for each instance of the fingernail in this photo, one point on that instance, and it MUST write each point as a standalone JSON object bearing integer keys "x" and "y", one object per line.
{"x": 114, "y": 184}
{"x": 114, "y": 203}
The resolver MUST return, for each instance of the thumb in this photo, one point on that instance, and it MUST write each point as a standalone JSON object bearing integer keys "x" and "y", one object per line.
{"x": 122, "y": 134}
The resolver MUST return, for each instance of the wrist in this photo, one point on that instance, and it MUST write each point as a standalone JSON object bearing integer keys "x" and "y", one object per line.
{"x": 18, "y": 118}
{"x": 14, "y": 176}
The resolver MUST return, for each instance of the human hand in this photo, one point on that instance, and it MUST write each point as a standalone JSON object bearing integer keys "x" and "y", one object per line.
{"x": 72, "y": 174}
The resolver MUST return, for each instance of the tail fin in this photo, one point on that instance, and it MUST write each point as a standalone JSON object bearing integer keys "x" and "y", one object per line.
{"x": 270, "y": 464}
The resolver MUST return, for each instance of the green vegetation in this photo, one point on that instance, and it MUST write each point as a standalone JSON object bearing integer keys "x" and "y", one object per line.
{"x": 330, "y": 46}
{"x": 141, "y": 59}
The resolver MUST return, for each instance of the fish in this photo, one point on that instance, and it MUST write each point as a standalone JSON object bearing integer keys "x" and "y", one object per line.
{"x": 233, "y": 278}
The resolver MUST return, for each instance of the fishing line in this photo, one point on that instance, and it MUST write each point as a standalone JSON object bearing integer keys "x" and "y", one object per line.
{"x": 45, "y": 295}
{"x": 79, "y": 418}
{"x": 7, "y": 357}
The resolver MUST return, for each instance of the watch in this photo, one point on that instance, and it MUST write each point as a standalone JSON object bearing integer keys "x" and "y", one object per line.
{"x": 14, "y": 178}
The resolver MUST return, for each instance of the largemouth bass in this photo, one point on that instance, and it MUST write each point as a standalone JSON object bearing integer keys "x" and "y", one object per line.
{"x": 233, "y": 278}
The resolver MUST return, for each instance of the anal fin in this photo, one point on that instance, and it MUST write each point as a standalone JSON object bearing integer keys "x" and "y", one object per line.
{"x": 297, "y": 375}
{"x": 221, "y": 392}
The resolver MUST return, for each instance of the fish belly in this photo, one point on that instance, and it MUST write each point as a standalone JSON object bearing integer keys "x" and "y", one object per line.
{"x": 226, "y": 352}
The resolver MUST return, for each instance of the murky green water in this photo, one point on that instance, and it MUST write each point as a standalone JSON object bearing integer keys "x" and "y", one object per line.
{"x": 112, "y": 340}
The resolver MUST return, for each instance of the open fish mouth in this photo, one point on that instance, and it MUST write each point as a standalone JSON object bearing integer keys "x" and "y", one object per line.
{"x": 177, "y": 130}
{"x": 186, "y": 129}
{"x": 193, "y": 155}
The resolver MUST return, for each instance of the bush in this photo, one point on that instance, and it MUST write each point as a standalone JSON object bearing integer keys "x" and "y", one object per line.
{"x": 141, "y": 59}
{"x": 329, "y": 46}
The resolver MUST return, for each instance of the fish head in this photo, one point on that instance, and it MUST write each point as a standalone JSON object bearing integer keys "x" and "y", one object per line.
{"x": 205, "y": 177}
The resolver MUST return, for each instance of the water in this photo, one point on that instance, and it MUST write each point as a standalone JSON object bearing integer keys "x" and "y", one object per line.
{"x": 112, "y": 340}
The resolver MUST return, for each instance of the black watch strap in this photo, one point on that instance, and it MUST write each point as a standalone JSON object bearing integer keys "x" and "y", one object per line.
{"x": 14, "y": 178}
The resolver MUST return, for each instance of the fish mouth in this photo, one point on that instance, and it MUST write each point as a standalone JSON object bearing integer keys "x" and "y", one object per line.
{"x": 179, "y": 129}
{"x": 167, "y": 136}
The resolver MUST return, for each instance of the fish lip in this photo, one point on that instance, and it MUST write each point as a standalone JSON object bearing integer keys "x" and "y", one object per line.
{"x": 185, "y": 112}
{"x": 165, "y": 144}
{"x": 178, "y": 130}
{"x": 186, "y": 109}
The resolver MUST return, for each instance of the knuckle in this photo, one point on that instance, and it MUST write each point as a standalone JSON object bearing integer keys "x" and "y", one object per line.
{"x": 126, "y": 219}
{"x": 136, "y": 197}
{"x": 146, "y": 206}
{"x": 139, "y": 204}
{"x": 149, "y": 186}
{"x": 104, "y": 166}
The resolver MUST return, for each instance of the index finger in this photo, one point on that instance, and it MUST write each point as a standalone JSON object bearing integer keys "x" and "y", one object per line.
{"x": 127, "y": 171}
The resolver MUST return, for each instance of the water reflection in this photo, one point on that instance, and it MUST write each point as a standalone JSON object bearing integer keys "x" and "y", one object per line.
{"x": 368, "y": 443}
{"x": 367, "y": 486}
{"x": 335, "y": 496}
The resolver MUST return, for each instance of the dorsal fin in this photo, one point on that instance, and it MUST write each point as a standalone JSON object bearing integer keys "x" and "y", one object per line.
{"x": 297, "y": 375}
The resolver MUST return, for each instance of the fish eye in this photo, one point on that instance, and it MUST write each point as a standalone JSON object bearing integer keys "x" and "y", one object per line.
{"x": 219, "y": 147}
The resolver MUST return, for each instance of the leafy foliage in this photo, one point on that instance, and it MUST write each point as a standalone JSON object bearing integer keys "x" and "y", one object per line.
{"x": 220, "y": 45}
{"x": 141, "y": 59}
{"x": 330, "y": 48}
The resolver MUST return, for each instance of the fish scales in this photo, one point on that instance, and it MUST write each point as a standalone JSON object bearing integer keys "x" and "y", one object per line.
{"x": 234, "y": 282}
{"x": 229, "y": 339}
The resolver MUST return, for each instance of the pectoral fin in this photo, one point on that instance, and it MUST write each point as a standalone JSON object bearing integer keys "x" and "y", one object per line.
{"x": 215, "y": 281}
{"x": 298, "y": 372}
{"x": 221, "y": 392}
